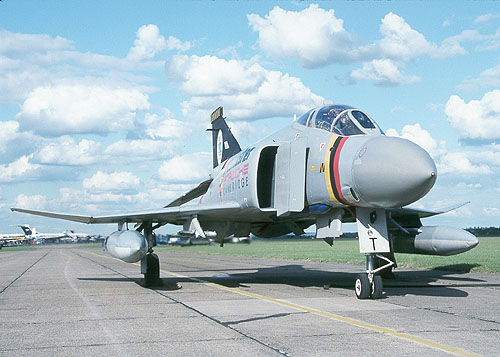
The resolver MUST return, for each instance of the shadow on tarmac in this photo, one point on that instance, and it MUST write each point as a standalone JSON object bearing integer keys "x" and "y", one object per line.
{"x": 436, "y": 282}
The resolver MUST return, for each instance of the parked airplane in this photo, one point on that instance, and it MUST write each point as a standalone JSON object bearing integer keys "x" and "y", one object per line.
{"x": 32, "y": 235}
{"x": 332, "y": 165}
{"x": 77, "y": 237}
{"x": 11, "y": 239}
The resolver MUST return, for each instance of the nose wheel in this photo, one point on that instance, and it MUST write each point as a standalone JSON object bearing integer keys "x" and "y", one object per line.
{"x": 366, "y": 288}
{"x": 369, "y": 285}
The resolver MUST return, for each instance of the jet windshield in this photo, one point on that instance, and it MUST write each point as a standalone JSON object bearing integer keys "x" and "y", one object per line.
{"x": 340, "y": 119}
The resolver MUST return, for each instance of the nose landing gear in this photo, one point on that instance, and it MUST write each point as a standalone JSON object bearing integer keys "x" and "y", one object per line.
{"x": 370, "y": 284}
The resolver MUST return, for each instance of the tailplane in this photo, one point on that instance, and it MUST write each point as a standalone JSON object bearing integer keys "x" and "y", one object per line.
{"x": 224, "y": 144}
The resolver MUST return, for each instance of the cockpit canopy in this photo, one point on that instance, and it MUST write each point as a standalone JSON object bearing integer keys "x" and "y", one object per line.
{"x": 340, "y": 119}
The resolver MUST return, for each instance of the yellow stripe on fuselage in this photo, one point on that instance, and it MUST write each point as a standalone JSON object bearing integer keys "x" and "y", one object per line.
{"x": 327, "y": 168}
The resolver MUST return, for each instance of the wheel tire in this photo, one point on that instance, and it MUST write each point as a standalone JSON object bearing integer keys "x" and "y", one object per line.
{"x": 152, "y": 277}
{"x": 377, "y": 287}
{"x": 362, "y": 286}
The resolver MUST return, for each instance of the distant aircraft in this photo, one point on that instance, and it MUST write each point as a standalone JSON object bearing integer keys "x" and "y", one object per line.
{"x": 77, "y": 237}
{"x": 332, "y": 165}
{"x": 32, "y": 235}
{"x": 11, "y": 239}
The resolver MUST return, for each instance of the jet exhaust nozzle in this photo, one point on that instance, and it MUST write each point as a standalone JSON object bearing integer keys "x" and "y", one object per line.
{"x": 438, "y": 240}
{"x": 129, "y": 246}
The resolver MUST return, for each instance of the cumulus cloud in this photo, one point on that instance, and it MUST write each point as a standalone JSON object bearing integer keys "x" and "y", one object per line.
{"x": 313, "y": 35}
{"x": 113, "y": 182}
{"x": 71, "y": 109}
{"x": 251, "y": 93}
{"x": 459, "y": 163}
{"x": 65, "y": 151}
{"x": 21, "y": 169}
{"x": 383, "y": 72}
{"x": 149, "y": 42}
{"x": 317, "y": 38}
{"x": 38, "y": 202}
{"x": 486, "y": 18}
{"x": 477, "y": 119}
{"x": 420, "y": 137}
{"x": 138, "y": 150}
{"x": 186, "y": 168}
{"x": 164, "y": 127}
{"x": 400, "y": 41}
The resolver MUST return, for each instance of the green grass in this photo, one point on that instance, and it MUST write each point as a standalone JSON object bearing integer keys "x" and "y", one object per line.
{"x": 484, "y": 258}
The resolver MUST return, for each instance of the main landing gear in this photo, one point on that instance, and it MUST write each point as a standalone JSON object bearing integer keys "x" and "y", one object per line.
{"x": 151, "y": 271}
{"x": 370, "y": 284}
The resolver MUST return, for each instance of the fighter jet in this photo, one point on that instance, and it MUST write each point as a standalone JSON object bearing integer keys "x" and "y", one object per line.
{"x": 332, "y": 165}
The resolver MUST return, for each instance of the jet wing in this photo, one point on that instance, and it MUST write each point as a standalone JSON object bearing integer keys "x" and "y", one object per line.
{"x": 423, "y": 213}
{"x": 162, "y": 215}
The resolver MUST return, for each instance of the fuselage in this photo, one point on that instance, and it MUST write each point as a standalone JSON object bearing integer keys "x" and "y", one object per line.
{"x": 331, "y": 159}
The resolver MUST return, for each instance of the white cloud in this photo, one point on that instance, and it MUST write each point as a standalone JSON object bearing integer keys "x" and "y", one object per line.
{"x": 245, "y": 89}
{"x": 488, "y": 77}
{"x": 113, "y": 182}
{"x": 477, "y": 119}
{"x": 148, "y": 43}
{"x": 317, "y": 38}
{"x": 313, "y": 35}
{"x": 210, "y": 75}
{"x": 137, "y": 150}
{"x": 65, "y": 151}
{"x": 402, "y": 42}
{"x": 21, "y": 169}
{"x": 163, "y": 127}
{"x": 70, "y": 109}
{"x": 187, "y": 168}
{"x": 486, "y": 18}
{"x": 38, "y": 202}
{"x": 491, "y": 211}
{"x": 459, "y": 164}
{"x": 421, "y": 137}
{"x": 174, "y": 43}
{"x": 383, "y": 72}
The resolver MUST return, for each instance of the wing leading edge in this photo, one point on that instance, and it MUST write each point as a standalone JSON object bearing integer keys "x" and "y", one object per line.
{"x": 163, "y": 215}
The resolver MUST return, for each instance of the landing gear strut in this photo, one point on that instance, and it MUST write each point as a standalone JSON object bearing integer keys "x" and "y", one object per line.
{"x": 370, "y": 284}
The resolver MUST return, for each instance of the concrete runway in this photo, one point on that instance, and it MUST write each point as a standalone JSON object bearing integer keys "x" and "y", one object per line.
{"x": 74, "y": 300}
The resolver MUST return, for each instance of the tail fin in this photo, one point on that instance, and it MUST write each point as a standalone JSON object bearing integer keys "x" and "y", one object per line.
{"x": 26, "y": 229}
{"x": 224, "y": 144}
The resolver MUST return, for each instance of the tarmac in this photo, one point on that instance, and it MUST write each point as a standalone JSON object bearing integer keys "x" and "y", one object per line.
{"x": 78, "y": 300}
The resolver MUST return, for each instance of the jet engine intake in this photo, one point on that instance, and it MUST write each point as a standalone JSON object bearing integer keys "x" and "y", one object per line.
{"x": 438, "y": 240}
{"x": 129, "y": 246}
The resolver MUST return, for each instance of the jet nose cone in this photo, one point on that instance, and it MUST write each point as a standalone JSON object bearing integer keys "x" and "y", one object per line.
{"x": 392, "y": 172}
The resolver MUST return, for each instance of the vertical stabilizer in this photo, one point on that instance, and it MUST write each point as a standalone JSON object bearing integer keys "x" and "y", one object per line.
{"x": 26, "y": 229}
{"x": 224, "y": 144}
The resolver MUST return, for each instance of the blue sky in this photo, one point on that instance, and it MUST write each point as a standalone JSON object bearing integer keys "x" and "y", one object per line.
{"x": 104, "y": 105}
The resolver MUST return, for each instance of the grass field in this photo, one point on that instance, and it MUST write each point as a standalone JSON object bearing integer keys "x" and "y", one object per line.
{"x": 484, "y": 258}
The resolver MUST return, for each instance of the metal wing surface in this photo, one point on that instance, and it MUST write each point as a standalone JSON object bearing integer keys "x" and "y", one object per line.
{"x": 423, "y": 213}
{"x": 162, "y": 215}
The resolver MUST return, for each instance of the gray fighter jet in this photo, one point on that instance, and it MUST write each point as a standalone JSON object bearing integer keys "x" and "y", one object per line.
{"x": 330, "y": 166}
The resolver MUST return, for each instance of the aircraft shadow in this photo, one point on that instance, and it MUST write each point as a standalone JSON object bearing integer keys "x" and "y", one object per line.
{"x": 436, "y": 282}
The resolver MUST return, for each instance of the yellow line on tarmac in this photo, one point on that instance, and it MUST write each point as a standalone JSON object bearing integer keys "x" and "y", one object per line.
{"x": 422, "y": 341}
